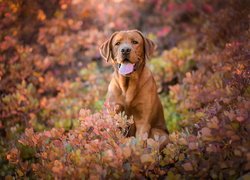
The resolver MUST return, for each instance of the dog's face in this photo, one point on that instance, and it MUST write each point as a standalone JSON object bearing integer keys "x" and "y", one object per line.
{"x": 127, "y": 49}
{"x": 127, "y": 46}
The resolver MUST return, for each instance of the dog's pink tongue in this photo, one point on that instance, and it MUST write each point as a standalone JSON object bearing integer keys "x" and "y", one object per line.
{"x": 126, "y": 68}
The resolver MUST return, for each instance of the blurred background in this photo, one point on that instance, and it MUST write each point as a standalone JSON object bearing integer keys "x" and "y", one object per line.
{"x": 50, "y": 66}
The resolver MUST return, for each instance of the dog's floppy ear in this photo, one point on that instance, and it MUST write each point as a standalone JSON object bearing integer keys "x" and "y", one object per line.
{"x": 149, "y": 45}
{"x": 149, "y": 48}
{"x": 105, "y": 48}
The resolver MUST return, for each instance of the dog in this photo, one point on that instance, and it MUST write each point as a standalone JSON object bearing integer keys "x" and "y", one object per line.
{"x": 132, "y": 88}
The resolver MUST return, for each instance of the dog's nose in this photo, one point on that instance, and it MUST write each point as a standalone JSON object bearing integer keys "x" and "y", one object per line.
{"x": 125, "y": 50}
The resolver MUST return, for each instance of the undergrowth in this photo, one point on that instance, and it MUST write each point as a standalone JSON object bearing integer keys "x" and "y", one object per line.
{"x": 53, "y": 119}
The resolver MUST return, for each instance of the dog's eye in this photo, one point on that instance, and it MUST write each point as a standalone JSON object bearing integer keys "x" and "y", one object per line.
{"x": 118, "y": 43}
{"x": 134, "y": 42}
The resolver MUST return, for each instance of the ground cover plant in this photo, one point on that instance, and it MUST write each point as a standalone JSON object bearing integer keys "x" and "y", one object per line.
{"x": 54, "y": 121}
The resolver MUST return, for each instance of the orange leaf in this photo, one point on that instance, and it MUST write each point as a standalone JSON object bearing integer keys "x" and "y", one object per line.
{"x": 187, "y": 166}
{"x": 147, "y": 158}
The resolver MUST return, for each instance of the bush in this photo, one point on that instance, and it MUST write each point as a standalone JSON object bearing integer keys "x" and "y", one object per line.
{"x": 50, "y": 69}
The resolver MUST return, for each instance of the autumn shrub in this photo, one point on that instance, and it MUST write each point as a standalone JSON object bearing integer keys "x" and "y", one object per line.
{"x": 44, "y": 75}
{"x": 50, "y": 69}
{"x": 168, "y": 69}
{"x": 213, "y": 100}
{"x": 40, "y": 80}
{"x": 97, "y": 147}
{"x": 216, "y": 114}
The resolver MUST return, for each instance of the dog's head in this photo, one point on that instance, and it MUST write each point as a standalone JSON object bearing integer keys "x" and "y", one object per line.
{"x": 128, "y": 50}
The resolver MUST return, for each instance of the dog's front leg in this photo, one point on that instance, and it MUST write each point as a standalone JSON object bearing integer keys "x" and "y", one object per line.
{"x": 142, "y": 129}
{"x": 114, "y": 106}
{"x": 114, "y": 99}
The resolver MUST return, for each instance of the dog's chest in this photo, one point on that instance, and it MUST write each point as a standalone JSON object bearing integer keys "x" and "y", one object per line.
{"x": 127, "y": 99}
{"x": 128, "y": 95}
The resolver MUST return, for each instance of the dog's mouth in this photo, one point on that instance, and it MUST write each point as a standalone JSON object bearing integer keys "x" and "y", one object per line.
{"x": 126, "y": 68}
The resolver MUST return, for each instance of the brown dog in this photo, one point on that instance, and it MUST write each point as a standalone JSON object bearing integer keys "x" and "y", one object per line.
{"x": 133, "y": 88}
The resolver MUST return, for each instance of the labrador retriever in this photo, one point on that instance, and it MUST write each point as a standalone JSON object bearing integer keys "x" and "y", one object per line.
{"x": 133, "y": 88}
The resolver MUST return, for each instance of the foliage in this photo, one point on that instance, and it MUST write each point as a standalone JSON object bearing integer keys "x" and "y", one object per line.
{"x": 50, "y": 70}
